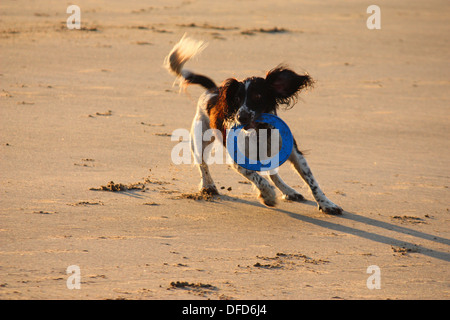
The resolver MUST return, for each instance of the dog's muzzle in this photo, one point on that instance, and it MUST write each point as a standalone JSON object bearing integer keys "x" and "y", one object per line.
{"x": 245, "y": 118}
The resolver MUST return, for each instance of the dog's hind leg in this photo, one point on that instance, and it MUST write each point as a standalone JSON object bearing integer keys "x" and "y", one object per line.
{"x": 287, "y": 191}
{"x": 300, "y": 164}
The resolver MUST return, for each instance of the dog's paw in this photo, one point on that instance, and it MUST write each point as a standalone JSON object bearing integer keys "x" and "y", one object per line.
{"x": 210, "y": 190}
{"x": 293, "y": 197}
{"x": 268, "y": 197}
{"x": 329, "y": 207}
{"x": 268, "y": 201}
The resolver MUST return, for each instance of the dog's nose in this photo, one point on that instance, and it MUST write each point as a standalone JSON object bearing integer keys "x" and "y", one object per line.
{"x": 243, "y": 117}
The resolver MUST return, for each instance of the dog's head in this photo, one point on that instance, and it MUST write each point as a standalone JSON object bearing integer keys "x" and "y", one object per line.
{"x": 246, "y": 100}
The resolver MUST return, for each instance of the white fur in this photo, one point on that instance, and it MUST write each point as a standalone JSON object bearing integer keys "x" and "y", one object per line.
{"x": 183, "y": 51}
{"x": 244, "y": 108}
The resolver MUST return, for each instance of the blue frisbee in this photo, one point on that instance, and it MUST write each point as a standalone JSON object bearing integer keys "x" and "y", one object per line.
{"x": 267, "y": 164}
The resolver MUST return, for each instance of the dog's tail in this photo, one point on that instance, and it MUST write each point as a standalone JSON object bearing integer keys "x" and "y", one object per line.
{"x": 184, "y": 50}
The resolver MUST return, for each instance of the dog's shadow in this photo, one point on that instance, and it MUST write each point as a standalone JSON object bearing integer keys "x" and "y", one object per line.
{"x": 129, "y": 193}
{"x": 334, "y": 224}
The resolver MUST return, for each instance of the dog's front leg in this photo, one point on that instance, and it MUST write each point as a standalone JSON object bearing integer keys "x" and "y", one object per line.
{"x": 266, "y": 192}
{"x": 300, "y": 164}
{"x": 207, "y": 185}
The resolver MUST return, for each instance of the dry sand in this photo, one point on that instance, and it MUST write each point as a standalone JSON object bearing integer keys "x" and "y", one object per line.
{"x": 81, "y": 108}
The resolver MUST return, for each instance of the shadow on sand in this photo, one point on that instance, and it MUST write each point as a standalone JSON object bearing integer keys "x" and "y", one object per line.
{"x": 336, "y": 226}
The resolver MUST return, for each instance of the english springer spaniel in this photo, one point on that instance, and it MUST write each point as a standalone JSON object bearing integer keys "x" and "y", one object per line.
{"x": 241, "y": 102}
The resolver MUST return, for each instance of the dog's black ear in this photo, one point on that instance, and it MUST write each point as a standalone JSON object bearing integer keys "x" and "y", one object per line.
{"x": 286, "y": 84}
{"x": 229, "y": 90}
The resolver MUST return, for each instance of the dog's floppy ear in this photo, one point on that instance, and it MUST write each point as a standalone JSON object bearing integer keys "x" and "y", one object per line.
{"x": 286, "y": 84}
{"x": 229, "y": 90}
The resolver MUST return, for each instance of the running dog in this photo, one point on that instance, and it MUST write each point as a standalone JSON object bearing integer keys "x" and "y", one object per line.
{"x": 241, "y": 102}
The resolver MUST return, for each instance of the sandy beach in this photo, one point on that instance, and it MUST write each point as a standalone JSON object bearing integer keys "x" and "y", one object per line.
{"x": 83, "y": 107}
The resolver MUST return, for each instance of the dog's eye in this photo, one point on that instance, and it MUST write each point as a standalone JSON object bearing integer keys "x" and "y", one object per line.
{"x": 256, "y": 96}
